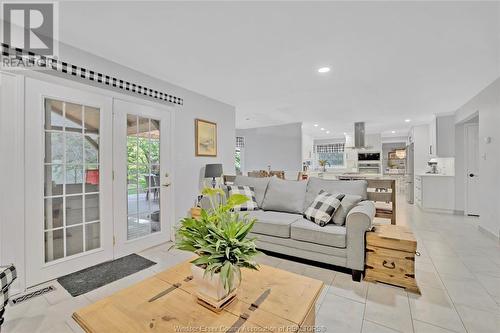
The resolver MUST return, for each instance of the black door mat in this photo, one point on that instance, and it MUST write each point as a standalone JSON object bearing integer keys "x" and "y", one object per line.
{"x": 91, "y": 278}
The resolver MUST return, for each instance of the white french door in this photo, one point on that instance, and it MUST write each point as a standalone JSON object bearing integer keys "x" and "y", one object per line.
{"x": 97, "y": 178}
{"x": 141, "y": 187}
{"x": 68, "y": 177}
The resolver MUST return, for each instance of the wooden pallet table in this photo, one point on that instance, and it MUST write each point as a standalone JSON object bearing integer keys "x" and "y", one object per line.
{"x": 268, "y": 300}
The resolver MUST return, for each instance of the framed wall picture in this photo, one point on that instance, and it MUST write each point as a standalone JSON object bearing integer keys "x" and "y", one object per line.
{"x": 205, "y": 134}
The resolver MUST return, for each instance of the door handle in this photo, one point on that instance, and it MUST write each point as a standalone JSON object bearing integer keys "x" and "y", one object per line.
{"x": 391, "y": 266}
{"x": 471, "y": 175}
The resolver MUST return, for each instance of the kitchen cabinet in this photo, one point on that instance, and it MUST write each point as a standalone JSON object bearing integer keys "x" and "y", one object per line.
{"x": 435, "y": 192}
{"x": 419, "y": 136}
{"x": 442, "y": 136}
{"x": 433, "y": 137}
{"x": 374, "y": 141}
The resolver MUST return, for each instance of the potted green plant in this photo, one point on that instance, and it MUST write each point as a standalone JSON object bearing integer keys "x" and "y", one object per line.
{"x": 322, "y": 164}
{"x": 219, "y": 238}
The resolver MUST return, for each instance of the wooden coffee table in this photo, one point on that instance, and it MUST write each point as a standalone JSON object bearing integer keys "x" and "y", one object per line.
{"x": 268, "y": 300}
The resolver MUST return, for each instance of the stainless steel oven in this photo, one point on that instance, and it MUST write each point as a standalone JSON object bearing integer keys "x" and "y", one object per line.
{"x": 368, "y": 156}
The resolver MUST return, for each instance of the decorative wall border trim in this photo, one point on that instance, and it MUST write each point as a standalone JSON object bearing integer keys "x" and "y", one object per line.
{"x": 88, "y": 74}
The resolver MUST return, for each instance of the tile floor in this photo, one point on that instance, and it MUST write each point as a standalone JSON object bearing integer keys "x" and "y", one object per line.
{"x": 458, "y": 273}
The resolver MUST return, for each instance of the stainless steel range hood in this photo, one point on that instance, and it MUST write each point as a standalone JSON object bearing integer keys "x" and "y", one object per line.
{"x": 357, "y": 141}
{"x": 359, "y": 135}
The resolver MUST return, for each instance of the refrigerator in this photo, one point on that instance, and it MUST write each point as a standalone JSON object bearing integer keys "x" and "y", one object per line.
{"x": 409, "y": 176}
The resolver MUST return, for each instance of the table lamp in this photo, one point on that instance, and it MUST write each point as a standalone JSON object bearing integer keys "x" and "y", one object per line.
{"x": 213, "y": 171}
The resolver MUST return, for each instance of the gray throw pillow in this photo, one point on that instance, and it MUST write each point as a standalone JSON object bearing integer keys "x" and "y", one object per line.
{"x": 285, "y": 196}
{"x": 347, "y": 203}
{"x": 259, "y": 186}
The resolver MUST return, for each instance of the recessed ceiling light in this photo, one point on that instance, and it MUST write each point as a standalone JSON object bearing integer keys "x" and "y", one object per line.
{"x": 407, "y": 120}
{"x": 322, "y": 129}
{"x": 315, "y": 125}
{"x": 323, "y": 69}
{"x": 393, "y": 132}
{"x": 327, "y": 132}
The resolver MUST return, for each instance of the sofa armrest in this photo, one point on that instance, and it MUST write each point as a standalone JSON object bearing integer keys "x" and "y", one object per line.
{"x": 358, "y": 221}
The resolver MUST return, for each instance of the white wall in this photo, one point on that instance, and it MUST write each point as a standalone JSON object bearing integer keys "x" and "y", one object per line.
{"x": 487, "y": 104}
{"x": 277, "y": 146}
{"x": 12, "y": 169}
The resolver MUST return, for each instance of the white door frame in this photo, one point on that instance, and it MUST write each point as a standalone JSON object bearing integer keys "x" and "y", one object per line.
{"x": 467, "y": 171}
{"x": 121, "y": 108}
{"x": 37, "y": 270}
{"x": 15, "y": 224}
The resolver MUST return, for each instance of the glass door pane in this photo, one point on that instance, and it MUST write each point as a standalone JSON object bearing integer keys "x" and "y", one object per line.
{"x": 71, "y": 181}
{"x": 143, "y": 176}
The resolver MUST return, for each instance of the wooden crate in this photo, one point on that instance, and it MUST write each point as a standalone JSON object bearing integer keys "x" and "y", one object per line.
{"x": 289, "y": 305}
{"x": 390, "y": 256}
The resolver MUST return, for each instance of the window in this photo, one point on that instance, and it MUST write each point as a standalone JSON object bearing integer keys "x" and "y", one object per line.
{"x": 332, "y": 154}
{"x": 143, "y": 184}
{"x": 240, "y": 144}
{"x": 71, "y": 193}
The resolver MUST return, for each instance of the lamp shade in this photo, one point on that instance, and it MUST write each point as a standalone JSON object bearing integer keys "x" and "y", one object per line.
{"x": 213, "y": 170}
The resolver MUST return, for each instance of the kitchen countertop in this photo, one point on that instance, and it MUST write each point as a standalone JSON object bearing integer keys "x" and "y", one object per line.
{"x": 334, "y": 175}
{"x": 434, "y": 175}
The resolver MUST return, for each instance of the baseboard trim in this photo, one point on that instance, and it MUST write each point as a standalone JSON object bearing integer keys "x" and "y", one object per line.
{"x": 489, "y": 234}
{"x": 459, "y": 212}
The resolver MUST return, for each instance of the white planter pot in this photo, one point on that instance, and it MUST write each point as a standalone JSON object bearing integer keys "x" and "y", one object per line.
{"x": 211, "y": 286}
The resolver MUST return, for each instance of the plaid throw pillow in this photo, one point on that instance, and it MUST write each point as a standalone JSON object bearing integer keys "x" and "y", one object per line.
{"x": 323, "y": 208}
{"x": 247, "y": 191}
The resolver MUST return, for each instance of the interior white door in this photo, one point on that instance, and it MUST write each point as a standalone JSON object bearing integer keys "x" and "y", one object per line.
{"x": 142, "y": 191}
{"x": 68, "y": 138}
{"x": 472, "y": 164}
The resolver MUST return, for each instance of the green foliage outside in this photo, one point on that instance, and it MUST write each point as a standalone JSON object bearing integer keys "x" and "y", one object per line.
{"x": 143, "y": 158}
{"x": 237, "y": 161}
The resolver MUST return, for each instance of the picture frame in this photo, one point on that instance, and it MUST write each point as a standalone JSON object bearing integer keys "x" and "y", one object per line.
{"x": 205, "y": 137}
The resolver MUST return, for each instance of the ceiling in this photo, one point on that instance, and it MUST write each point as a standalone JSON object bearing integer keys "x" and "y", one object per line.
{"x": 390, "y": 61}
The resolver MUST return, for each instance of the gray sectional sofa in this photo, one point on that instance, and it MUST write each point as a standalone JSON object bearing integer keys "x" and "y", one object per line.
{"x": 281, "y": 228}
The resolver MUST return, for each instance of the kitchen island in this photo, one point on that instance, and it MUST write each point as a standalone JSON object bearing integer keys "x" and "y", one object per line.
{"x": 435, "y": 192}
{"x": 399, "y": 178}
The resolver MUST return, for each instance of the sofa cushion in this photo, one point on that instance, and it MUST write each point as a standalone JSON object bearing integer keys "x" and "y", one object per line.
{"x": 285, "y": 196}
{"x": 315, "y": 185}
{"x": 273, "y": 223}
{"x": 348, "y": 202}
{"x": 330, "y": 234}
{"x": 297, "y": 244}
{"x": 259, "y": 185}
